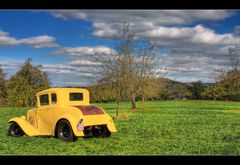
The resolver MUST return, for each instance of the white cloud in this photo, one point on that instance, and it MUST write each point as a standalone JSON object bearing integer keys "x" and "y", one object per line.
{"x": 156, "y": 17}
{"x": 6, "y": 40}
{"x": 196, "y": 35}
{"x": 151, "y": 24}
{"x": 66, "y": 14}
{"x": 39, "y": 41}
{"x": 108, "y": 22}
{"x": 162, "y": 71}
{"x": 104, "y": 30}
{"x": 84, "y": 62}
{"x": 83, "y": 51}
{"x": 67, "y": 74}
{"x": 85, "y": 74}
{"x": 192, "y": 79}
{"x": 188, "y": 67}
{"x": 81, "y": 66}
{"x": 36, "y": 42}
{"x": 198, "y": 39}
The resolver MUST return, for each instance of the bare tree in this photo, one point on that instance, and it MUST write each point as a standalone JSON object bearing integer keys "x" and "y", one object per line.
{"x": 126, "y": 70}
{"x": 234, "y": 56}
{"x": 229, "y": 79}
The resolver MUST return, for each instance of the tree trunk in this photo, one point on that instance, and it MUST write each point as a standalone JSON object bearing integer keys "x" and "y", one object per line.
{"x": 118, "y": 103}
{"x": 133, "y": 102}
{"x": 143, "y": 100}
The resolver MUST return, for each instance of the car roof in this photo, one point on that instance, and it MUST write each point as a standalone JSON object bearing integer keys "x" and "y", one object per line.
{"x": 62, "y": 90}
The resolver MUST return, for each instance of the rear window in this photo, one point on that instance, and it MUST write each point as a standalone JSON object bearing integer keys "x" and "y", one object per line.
{"x": 44, "y": 100}
{"x": 76, "y": 96}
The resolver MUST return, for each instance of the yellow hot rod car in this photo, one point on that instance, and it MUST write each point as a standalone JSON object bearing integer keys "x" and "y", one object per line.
{"x": 65, "y": 113}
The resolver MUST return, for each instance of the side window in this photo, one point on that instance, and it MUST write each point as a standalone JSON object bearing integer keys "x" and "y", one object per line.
{"x": 54, "y": 98}
{"x": 44, "y": 100}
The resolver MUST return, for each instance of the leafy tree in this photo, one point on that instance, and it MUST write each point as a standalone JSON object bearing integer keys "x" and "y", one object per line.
{"x": 147, "y": 88}
{"x": 215, "y": 92}
{"x": 23, "y": 86}
{"x": 230, "y": 80}
{"x": 101, "y": 93}
{"x": 197, "y": 88}
{"x": 180, "y": 91}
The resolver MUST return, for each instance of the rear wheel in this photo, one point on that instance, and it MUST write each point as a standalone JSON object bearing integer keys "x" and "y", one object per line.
{"x": 15, "y": 130}
{"x": 101, "y": 131}
{"x": 64, "y": 131}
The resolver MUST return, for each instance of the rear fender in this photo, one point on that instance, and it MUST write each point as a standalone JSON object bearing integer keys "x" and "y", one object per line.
{"x": 105, "y": 119}
{"x": 111, "y": 127}
{"x": 110, "y": 124}
{"x": 27, "y": 128}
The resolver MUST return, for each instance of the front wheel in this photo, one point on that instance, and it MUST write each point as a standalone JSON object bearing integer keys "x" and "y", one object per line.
{"x": 15, "y": 130}
{"x": 64, "y": 131}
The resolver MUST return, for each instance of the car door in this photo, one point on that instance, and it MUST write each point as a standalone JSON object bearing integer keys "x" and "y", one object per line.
{"x": 45, "y": 115}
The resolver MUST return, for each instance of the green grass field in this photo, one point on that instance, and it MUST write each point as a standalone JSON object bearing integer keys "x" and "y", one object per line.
{"x": 158, "y": 128}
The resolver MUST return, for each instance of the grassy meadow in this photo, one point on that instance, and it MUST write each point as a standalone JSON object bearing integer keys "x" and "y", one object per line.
{"x": 157, "y": 128}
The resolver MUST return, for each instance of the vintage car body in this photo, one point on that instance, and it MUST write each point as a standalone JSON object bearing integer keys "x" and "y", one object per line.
{"x": 63, "y": 109}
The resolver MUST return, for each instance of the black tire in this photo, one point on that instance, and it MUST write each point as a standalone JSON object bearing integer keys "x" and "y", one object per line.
{"x": 15, "y": 130}
{"x": 102, "y": 132}
{"x": 64, "y": 131}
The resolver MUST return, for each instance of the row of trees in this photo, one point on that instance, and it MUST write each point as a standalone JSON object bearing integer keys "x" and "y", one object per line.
{"x": 163, "y": 89}
{"x": 227, "y": 89}
{"x": 21, "y": 88}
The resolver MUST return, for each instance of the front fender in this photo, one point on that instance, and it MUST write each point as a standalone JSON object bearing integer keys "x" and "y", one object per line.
{"x": 73, "y": 122}
{"x": 27, "y": 128}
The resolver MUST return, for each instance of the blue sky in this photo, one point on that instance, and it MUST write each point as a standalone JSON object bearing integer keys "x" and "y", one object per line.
{"x": 64, "y": 41}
